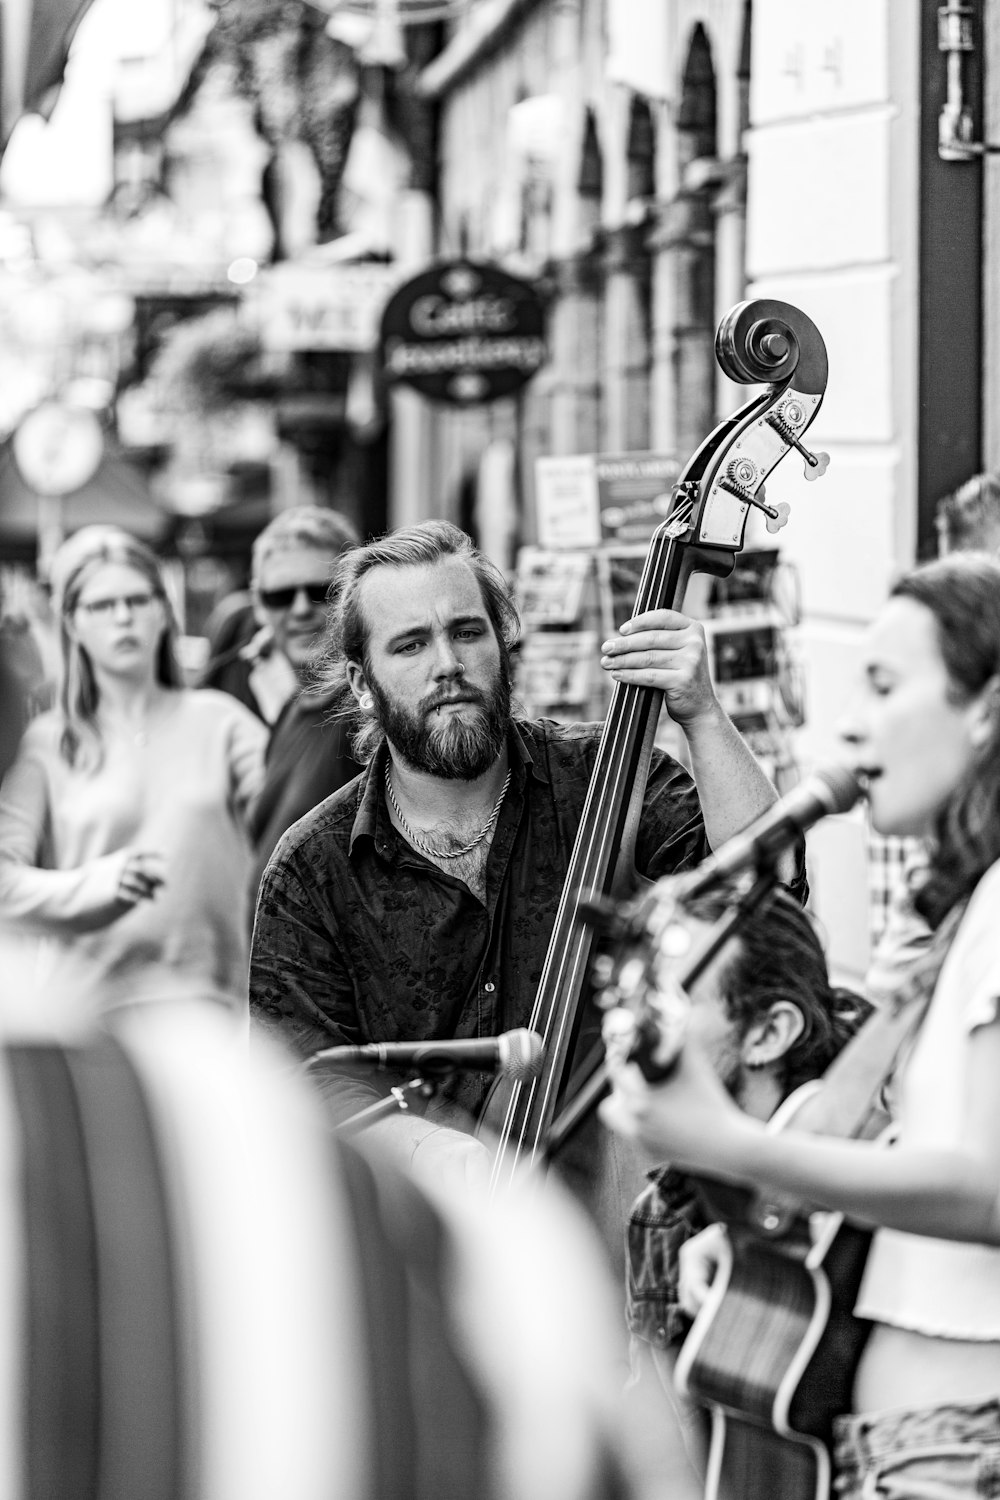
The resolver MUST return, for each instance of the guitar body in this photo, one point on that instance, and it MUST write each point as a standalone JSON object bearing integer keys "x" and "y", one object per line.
{"x": 773, "y": 1351}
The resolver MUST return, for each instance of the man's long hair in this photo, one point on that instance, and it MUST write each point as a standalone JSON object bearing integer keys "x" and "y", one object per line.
{"x": 347, "y": 633}
{"x": 962, "y": 592}
{"x": 777, "y": 956}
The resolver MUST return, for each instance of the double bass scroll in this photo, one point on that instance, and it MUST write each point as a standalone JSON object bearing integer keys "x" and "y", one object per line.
{"x": 760, "y": 342}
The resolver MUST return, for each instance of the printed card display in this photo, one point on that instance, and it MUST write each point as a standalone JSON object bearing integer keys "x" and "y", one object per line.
{"x": 556, "y": 668}
{"x": 549, "y": 586}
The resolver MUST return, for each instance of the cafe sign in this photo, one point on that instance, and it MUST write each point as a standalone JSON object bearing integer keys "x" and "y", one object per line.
{"x": 464, "y": 333}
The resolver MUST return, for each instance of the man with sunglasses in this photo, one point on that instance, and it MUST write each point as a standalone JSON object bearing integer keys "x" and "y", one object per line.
{"x": 307, "y": 755}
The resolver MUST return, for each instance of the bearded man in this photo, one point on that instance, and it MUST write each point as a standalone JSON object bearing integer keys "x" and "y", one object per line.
{"x": 416, "y": 903}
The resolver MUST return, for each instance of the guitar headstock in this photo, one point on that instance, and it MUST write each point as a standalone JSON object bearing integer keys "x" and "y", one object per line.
{"x": 637, "y": 974}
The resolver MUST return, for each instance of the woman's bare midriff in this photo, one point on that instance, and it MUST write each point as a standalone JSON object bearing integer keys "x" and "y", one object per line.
{"x": 900, "y": 1368}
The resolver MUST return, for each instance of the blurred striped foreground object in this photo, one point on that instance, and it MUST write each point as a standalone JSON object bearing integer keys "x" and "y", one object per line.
{"x": 208, "y": 1297}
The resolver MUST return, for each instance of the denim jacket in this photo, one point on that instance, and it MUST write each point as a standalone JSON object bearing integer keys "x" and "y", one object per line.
{"x": 664, "y": 1215}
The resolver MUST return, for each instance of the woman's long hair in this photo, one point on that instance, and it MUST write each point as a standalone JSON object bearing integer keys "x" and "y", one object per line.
{"x": 962, "y": 592}
{"x": 346, "y": 637}
{"x": 80, "y": 742}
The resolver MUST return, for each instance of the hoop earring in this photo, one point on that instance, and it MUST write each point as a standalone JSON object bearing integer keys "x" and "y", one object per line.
{"x": 366, "y": 703}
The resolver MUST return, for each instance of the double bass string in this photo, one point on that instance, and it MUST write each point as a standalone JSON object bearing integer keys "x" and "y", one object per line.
{"x": 589, "y": 860}
{"x": 569, "y": 956}
{"x": 620, "y": 728}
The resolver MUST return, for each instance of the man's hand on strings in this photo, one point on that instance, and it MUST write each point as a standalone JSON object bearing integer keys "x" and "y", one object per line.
{"x": 667, "y": 650}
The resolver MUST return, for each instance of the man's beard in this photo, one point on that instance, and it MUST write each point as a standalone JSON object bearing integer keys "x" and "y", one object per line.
{"x": 453, "y": 747}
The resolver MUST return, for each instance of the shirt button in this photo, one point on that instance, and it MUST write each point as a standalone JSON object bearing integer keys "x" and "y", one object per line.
{"x": 489, "y": 987}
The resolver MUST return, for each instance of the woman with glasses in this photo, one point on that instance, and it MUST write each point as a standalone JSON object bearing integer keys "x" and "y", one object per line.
{"x": 123, "y": 820}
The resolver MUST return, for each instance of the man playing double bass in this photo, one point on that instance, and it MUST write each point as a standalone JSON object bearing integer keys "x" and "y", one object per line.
{"x": 417, "y": 902}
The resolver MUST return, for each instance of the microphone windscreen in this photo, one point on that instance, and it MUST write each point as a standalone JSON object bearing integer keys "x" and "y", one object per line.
{"x": 844, "y": 789}
{"x": 521, "y": 1054}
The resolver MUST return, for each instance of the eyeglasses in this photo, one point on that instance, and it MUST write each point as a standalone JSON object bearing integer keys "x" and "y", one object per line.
{"x": 284, "y": 598}
{"x": 105, "y": 608}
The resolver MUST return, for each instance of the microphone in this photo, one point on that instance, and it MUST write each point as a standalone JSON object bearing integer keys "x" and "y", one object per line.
{"x": 516, "y": 1055}
{"x": 830, "y": 789}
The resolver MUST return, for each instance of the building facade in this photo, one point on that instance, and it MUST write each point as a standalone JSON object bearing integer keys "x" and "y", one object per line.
{"x": 652, "y": 162}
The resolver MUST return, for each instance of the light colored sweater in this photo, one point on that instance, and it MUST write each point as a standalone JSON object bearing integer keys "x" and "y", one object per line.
{"x": 181, "y": 790}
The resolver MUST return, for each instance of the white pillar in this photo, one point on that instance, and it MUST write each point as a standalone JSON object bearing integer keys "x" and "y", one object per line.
{"x": 411, "y": 431}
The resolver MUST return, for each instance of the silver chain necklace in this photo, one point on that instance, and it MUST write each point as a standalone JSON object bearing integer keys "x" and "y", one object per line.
{"x": 445, "y": 853}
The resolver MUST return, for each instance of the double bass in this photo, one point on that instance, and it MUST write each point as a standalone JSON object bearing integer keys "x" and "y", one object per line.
{"x": 760, "y": 342}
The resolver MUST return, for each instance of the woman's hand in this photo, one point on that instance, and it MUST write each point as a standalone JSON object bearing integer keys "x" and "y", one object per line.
{"x": 688, "y": 1120}
{"x": 664, "y": 649}
{"x": 142, "y": 874}
{"x": 108, "y": 887}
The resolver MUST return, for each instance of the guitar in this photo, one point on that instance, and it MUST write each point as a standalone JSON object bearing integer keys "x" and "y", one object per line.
{"x": 758, "y": 343}
{"x": 774, "y": 1348}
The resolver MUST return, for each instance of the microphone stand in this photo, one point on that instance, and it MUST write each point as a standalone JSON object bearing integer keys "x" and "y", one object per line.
{"x": 411, "y": 1097}
{"x": 401, "y": 1098}
{"x": 597, "y": 1086}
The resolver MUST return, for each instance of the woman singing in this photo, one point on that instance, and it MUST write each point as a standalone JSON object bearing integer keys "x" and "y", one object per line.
{"x": 122, "y": 821}
{"x": 924, "y": 734}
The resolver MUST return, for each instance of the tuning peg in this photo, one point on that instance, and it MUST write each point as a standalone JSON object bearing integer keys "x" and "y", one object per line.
{"x": 816, "y": 464}
{"x": 780, "y": 517}
{"x": 790, "y": 415}
{"x": 602, "y": 971}
{"x": 739, "y": 479}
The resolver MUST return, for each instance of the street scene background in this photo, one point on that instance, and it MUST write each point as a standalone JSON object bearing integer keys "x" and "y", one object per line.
{"x": 206, "y": 210}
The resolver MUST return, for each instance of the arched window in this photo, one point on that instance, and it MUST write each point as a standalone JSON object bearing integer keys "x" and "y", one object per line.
{"x": 590, "y": 180}
{"x": 693, "y": 246}
{"x": 632, "y": 260}
{"x": 640, "y": 152}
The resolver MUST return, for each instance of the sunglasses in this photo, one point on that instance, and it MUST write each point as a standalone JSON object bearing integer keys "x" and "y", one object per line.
{"x": 283, "y": 598}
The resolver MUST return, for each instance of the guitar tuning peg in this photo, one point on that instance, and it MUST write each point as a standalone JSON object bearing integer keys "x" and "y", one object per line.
{"x": 602, "y": 971}
{"x": 618, "y": 1033}
{"x": 781, "y": 512}
{"x": 816, "y": 464}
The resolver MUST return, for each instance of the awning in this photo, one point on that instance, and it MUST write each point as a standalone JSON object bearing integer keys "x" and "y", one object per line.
{"x": 117, "y": 495}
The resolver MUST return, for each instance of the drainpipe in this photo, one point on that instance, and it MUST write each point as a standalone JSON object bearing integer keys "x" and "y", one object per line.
{"x": 956, "y": 36}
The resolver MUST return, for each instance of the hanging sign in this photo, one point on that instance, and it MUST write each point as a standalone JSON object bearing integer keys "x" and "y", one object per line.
{"x": 464, "y": 333}
{"x": 322, "y": 307}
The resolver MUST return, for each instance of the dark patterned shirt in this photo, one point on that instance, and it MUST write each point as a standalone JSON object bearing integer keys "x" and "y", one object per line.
{"x": 307, "y": 759}
{"x": 359, "y": 938}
